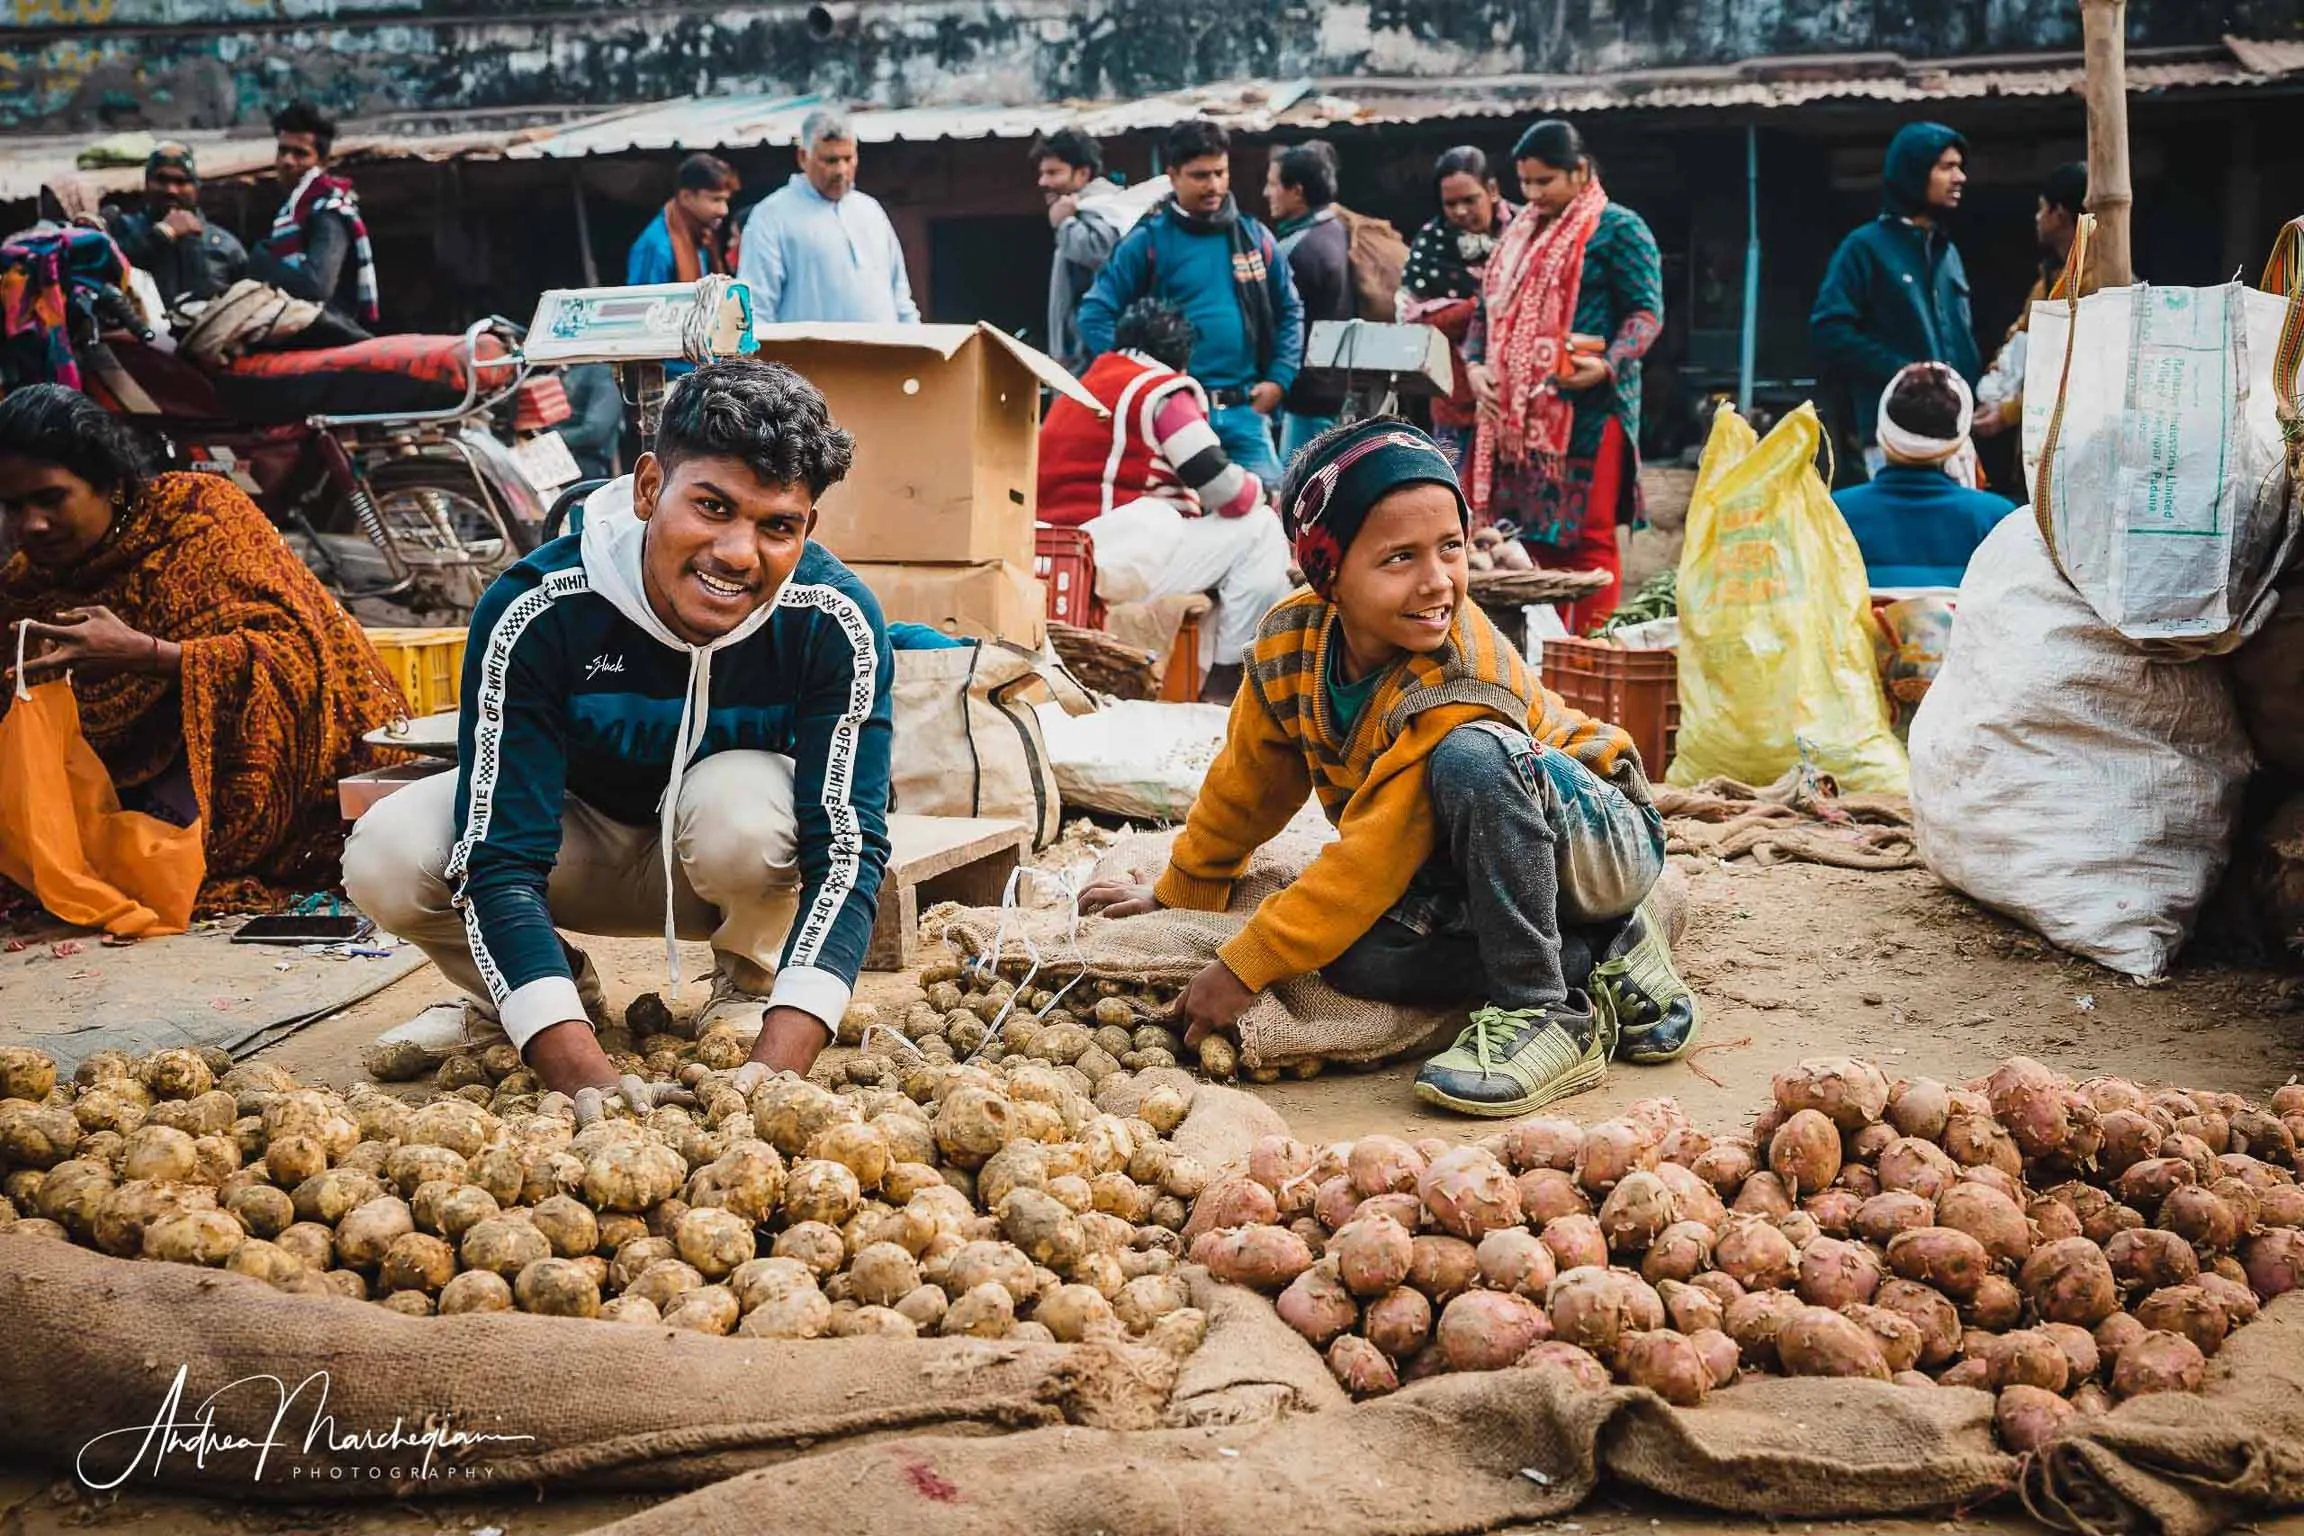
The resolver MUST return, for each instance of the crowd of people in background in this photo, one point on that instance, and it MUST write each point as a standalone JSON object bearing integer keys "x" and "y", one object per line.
{"x": 1550, "y": 304}
{"x": 1548, "y": 312}
{"x": 1549, "y": 294}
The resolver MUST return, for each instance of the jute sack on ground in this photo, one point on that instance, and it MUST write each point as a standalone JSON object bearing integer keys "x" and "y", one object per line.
{"x": 1292, "y": 1021}
{"x": 2186, "y": 1465}
{"x": 1449, "y": 1455}
{"x": 93, "y": 1345}
{"x": 1253, "y": 1367}
{"x": 1487, "y": 1451}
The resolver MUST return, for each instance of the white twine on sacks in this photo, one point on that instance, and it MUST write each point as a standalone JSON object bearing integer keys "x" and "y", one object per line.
{"x": 1069, "y": 885}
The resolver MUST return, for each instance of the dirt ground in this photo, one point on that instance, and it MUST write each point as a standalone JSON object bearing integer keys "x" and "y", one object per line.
{"x": 1791, "y": 961}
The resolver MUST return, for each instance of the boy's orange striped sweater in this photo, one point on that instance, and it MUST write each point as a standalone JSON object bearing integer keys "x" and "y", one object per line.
{"x": 1282, "y": 745}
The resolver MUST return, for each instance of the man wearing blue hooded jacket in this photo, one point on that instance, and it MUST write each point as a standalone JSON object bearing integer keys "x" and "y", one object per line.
{"x": 1896, "y": 292}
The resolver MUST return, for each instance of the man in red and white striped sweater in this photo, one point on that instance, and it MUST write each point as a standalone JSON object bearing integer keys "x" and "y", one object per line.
{"x": 1168, "y": 509}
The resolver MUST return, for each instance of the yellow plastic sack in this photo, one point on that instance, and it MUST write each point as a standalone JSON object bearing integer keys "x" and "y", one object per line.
{"x": 1776, "y": 660}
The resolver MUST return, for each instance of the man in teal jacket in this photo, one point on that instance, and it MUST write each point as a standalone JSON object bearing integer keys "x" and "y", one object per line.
{"x": 1896, "y": 292}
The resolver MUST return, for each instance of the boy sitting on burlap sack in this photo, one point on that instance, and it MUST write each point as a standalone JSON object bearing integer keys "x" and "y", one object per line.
{"x": 1494, "y": 843}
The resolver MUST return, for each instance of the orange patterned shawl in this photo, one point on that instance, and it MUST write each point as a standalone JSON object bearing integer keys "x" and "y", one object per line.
{"x": 278, "y": 682}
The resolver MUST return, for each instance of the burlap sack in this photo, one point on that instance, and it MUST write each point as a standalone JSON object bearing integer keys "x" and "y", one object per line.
{"x": 1450, "y": 1455}
{"x": 2187, "y": 1465}
{"x": 1224, "y": 1123}
{"x": 1291, "y": 1021}
{"x": 1483, "y": 1452}
{"x": 1253, "y": 1367}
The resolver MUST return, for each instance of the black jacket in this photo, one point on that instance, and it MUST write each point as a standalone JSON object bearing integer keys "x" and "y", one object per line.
{"x": 1895, "y": 293}
{"x": 201, "y": 266}
{"x": 1319, "y": 259}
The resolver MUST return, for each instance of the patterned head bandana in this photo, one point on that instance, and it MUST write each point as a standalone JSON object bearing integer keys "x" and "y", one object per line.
{"x": 1352, "y": 472}
{"x": 174, "y": 156}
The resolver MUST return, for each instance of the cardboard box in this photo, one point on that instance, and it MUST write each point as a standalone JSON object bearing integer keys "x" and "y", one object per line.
{"x": 993, "y": 600}
{"x": 947, "y": 427}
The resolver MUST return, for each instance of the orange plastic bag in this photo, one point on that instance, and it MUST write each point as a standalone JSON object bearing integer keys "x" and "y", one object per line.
{"x": 64, "y": 838}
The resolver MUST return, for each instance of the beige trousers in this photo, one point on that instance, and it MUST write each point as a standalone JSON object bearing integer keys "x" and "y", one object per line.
{"x": 736, "y": 878}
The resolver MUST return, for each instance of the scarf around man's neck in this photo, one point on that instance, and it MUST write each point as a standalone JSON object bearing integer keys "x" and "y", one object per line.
{"x": 1304, "y": 221}
{"x": 320, "y": 193}
{"x": 696, "y": 249}
{"x": 1251, "y": 281}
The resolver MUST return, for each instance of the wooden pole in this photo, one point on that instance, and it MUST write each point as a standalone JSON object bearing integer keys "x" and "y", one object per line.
{"x": 584, "y": 230}
{"x": 2103, "y": 28}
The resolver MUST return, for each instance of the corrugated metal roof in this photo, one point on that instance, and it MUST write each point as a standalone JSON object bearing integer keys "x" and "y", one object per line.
{"x": 1255, "y": 106}
{"x": 1422, "y": 101}
{"x": 2267, "y": 56}
{"x": 1263, "y": 105}
{"x": 29, "y": 163}
{"x": 715, "y": 122}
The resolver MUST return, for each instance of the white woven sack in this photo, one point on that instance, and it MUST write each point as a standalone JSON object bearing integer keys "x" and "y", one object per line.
{"x": 2066, "y": 778}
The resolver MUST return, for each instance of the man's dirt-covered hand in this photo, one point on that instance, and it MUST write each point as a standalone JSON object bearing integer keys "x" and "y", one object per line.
{"x": 638, "y": 1095}
{"x": 1213, "y": 1003}
{"x": 790, "y": 1041}
{"x": 1117, "y": 898}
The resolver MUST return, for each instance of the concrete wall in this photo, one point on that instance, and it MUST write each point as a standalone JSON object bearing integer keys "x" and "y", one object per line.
{"x": 74, "y": 64}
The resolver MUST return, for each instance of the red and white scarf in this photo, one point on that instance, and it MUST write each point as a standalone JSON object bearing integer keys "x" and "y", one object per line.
{"x": 1530, "y": 288}
{"x": 316, "y": 193}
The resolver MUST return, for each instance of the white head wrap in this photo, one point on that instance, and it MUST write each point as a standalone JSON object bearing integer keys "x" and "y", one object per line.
{"x": 1955, "y": 455}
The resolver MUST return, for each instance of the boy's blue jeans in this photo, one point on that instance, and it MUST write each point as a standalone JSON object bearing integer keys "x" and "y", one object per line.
{"x": 1539, "y": 862}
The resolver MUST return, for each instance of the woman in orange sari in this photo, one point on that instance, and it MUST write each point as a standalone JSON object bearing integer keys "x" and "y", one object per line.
{"x": 216, "y": 678}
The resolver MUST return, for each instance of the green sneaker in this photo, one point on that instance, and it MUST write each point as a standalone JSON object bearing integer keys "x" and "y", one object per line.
{"x": 1654, "y": 1011}
{"x": 1509, "y": 1061}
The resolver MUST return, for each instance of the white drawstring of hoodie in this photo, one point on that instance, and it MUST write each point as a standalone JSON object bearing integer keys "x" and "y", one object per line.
{"x": 613, "y": 539}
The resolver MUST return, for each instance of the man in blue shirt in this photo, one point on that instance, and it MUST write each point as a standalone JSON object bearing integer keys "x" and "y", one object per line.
{"x": 818, "y": 249}
{"x": 1199, "y": 252}
{"x": 1921, "y": 517}
{"x": 675, "y": 720}
{"x": 688, "y": 238}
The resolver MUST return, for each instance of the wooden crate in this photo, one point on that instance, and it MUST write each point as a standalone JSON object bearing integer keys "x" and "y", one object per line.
{"x": 939, "y": 858}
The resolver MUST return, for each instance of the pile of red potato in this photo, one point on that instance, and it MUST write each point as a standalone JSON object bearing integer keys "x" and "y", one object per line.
{"x": 2066, "y": 1246}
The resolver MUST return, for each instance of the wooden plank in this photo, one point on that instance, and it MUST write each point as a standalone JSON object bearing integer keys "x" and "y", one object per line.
{"x": 933, "y": 859}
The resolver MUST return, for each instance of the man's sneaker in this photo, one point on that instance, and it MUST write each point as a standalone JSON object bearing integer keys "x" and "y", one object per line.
{"x": 1509, "y": 1061}
{"x": 443, "y": 1030}
{"x": 463, "y": 1027}
{"x": 731, "y": 1007}
{"x": 1654, "y": 1011}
